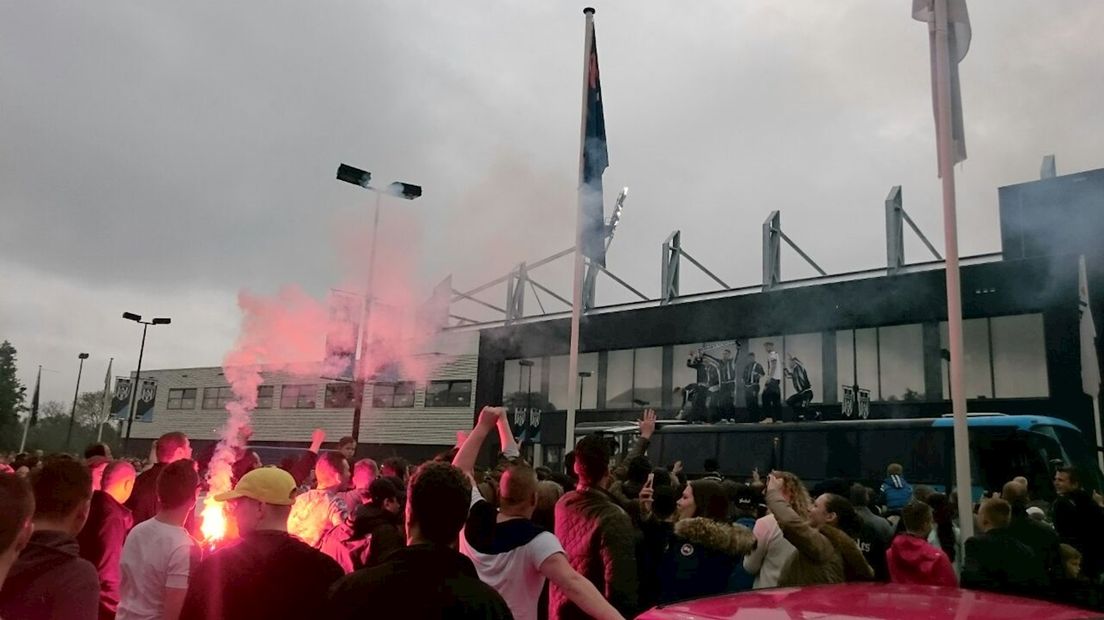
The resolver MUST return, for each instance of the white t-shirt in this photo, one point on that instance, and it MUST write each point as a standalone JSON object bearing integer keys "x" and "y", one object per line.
{"x": 155, "y": 556}
{"x": 508, "y": 555}
{"x": 773, "y": 360}
{"x": 770, "y": 555}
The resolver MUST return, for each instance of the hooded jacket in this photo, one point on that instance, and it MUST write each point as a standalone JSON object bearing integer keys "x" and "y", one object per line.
{"x": 700, "y": 556}
{"x": 913, "y": 560}
{"x": 825, "y": 555}
{"x": 50, "y": 581}
{"x": 600, "y": 543}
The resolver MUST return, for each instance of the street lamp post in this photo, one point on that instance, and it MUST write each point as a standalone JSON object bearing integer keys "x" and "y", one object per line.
{"x": 73, "y": 411}
{"x": 408, "y": 191}
{"x": 137, "y": 318}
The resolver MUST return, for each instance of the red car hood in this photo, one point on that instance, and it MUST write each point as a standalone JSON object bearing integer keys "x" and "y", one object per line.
{"x": 867, "y": 601}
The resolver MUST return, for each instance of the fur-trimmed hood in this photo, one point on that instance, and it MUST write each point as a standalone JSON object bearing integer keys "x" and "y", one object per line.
{"x": 732, "y": 540}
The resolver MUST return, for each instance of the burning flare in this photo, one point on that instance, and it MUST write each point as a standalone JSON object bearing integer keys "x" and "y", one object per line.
{"x": 214, "y": 522}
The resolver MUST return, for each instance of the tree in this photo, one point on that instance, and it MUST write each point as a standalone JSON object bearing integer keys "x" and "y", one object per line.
{"x": 12, "y": 394}
{"x": 90, "y": 409}
{"x": 53, "y": 427}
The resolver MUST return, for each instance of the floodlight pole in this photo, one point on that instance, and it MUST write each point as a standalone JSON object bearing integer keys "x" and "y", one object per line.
{"x": 73, "y": 411}
{"x": 134, "y": 387}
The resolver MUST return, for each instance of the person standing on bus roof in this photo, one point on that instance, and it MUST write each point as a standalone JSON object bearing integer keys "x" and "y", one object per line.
{"x": 772, "y": 394}
{"x": 803, "y": 389}
{"x": 753, "y": 375}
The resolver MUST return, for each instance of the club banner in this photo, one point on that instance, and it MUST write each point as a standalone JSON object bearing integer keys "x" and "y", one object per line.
{"x": 146, "y": 397}
{"x": 120, "y": 400}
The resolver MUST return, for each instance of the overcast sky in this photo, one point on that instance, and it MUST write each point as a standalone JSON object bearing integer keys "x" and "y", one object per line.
{"x": 158, "y": 157}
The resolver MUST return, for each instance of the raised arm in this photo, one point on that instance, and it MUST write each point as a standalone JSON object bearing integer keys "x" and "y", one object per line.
{"x": 579, "y": 589}
{"x": 469, "y": 452}
{"x": 803, "y": 536}
{"x": 506, "y": 437}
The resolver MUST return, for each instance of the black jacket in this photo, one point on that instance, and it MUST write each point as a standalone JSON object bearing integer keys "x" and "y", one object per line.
{"x": 101, "y": 543}
{"x": 996, "y": 561}
{"x": 700, "y": 556}
{"x": 1080, "y": 523}
{"x": 265, "y": 574}
{"x": 1042, "y": 540}
{"x": 143, "y": 498}
{"x": 50, "y": 581}
{"x": 420, "y": 581}
{"x": 364, "y": 539}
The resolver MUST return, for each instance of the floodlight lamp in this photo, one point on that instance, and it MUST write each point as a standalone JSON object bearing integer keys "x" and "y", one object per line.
{"x": 356, "y": 176}
{"x": 130, "y": 316}
{"x": 82, "y": 356}
{"x": 584, "y": 373}
{"x": 408, "y": 191}
{"x": 162, "y": 321}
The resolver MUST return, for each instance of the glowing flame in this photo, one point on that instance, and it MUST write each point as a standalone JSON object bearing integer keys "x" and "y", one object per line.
{"x": 214, "y": 522}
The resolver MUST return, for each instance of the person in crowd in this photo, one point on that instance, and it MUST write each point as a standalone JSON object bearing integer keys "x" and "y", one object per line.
{"x": 1079, "y": 521}
{"x": 548, "y": 493}
{"x": 16, "y": 514}
{"x": 803, "y": 390}
{"x": 97, "y": 449}
{"x": 995, "y": 560}
{"x": 322, "y": 508}
{"x": 1040, "y": 538}
{"x": 772, "y": 391}
{"x": 347, "y": 447}
{"x": 597, "y": 535}
{"x": 1073, "y": 588}
{"x": 428, "y": 578}
{"x": 825, "y": 549}
{"x": 946, "y": 535}
{"x": 712, "y": 470}
{"x": 96, "y": 466}
{"x": 705, "y": 547}
{"x": 896, "y": 491}
{"x": 364, "y": 472}
{"x": 159, "y": 554}
{"x": 394, "y": 467}
{"x": 50, "y": 581}
{"x": 753, "y": 376}
{"x": 772, "y": 550}
{"x": 875, "y": 534}
{"x": 371, "y": 533}
{"x": 911, "y": 559}
{"x": 510, "y": 552}
{"x": 101, "y": 538}
{"x": 170, "y": 447}
{"x": 267, "y": 573}
{"x": 302, "y": 466}
{"x": 744, "y": 505}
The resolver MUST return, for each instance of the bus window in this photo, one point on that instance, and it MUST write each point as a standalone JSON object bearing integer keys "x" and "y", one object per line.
{"x": 923, "y": 452}
{"x": 741, "y": 452}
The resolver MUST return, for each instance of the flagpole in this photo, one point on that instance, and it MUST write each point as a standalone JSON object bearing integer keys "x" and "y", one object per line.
{"x": 945, "y": 143}
{"x": 31, "y": 414}
{"x": 577, "y": 281}
{"x": 106, "y": 401}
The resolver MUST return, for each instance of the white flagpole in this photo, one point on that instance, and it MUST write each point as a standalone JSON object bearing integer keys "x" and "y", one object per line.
{"x": 945, "y": 143}
{"x": 106, "y": 401}
{"x": 577, "y": 281}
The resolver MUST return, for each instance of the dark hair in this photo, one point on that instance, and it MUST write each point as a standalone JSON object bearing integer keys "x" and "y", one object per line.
{"x": 17, "y": 504}
{"x": 396, "y": 465}
{"x": 569, "y": 464}
{"x": 169, "y": 443}
{"x": 381, "y": 490}
{"x": 664, "y": 501}
{"x": 592, "y": 456}
{"x": 861, "y": 496}
{"x": 177, "y": 484}
{"x": 915, "y": 516}
{"x": 711, "y": 465}
{"x": 331, "y": 459}
{"x": 846, "y": 517}
{"x": 943, "y": 515}
{"x": 439, "y": 495}
{"x": 1073, "y": 473}
{"x": 346, "y": 440}
{"x": 96, "y": 449}
{"x": 710, "y": 500}
{"x": 60, "y": 486}
{"x": 638, "y": 469}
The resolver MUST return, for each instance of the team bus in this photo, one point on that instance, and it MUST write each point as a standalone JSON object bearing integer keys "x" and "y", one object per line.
{"x": 1001, "y": 447}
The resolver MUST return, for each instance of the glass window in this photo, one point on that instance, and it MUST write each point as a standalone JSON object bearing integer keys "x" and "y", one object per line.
{"x": 448, "y": 394}
{"x": 393, "y": 395}
{"x": 979, "y": 378}
{"x": 1019, "y": 356}
{"x": 518, "y": 378}
{"x": 183, "y": 398}
{"x": 681, "y": 374}
{"x": 298, "y": 396}
{"x": 557, "y": 381}
{"x": 806, "y": 348}
{"x": 619, "y": 379}
{"x": 865, "y": 372}
{"x": 648, "y": 377}
{"x": 265, "y": 394}
{"x": 217, "y": 397}
{"x": 901, "y": 354}
{"x": 339, "y": 395}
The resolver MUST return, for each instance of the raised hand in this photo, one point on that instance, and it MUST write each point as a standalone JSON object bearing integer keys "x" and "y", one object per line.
{"x": 647, "y": 425}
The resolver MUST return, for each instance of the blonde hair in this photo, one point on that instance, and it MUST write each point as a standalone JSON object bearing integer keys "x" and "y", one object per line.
{"x": 795, "y": 492}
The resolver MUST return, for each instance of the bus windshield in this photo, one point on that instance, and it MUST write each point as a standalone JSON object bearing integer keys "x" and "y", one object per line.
{"x": 1076, "y": 452}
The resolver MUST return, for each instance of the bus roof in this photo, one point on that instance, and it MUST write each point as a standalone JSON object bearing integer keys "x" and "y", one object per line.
{"x": 989, "y": 420}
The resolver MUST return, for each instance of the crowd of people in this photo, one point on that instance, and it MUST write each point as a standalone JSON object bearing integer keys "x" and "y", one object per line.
{"x": 327, "y": 535}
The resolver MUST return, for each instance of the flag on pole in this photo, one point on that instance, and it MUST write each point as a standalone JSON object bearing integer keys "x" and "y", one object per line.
{"x": 958, "y": 43}
{"x": 104, "y": 406}
{"x": 1090, "y": 366}
{"x": 34, "y": 398}
{"x": 595, "y": 160}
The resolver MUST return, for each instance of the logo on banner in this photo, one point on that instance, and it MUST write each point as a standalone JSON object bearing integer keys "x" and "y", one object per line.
{"x": 147, "y": 394}
{"x": 120, "y": 400}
